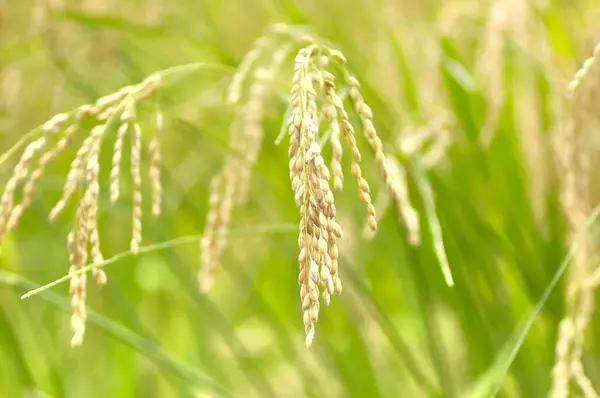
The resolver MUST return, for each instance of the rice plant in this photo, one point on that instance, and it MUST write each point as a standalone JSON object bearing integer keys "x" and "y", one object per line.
{"x": 204, "y": 165}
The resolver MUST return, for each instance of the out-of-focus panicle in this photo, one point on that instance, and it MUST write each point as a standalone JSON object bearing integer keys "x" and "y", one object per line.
{"x": 155, "y": 161}
{"x": 408, "y": 214}
{"x": 230, "y": 187}
{"x": 437, "y": 150}
{"x": 20, "y": 173}
{"x": 260, "y": 46}
{"x": 508, "y": 22}
{"x": 582, "y": 74}
{"x": 427, "y": 141}
{"x": 251, "y": 117}
{"x": 35, "y": 176}
{"x": 580, "y": 295}
{"x": 57, "y": 135}
{"x": 577, "y": 205}
{"x": 490, "y": 65}
{"x": 222, "y": 190}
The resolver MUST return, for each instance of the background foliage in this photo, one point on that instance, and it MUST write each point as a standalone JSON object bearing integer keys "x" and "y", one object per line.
{"x": 496, "y": 72}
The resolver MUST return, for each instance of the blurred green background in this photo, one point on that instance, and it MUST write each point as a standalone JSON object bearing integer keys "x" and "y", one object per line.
{"x": 494, "y": 72}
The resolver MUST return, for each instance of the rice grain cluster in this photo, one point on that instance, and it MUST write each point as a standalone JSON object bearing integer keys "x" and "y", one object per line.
{"x": 56, "y": 136}
{"x": 314, "y": 99}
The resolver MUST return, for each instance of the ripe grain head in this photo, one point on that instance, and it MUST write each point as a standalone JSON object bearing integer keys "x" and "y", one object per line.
{"x": 57, "y": 134}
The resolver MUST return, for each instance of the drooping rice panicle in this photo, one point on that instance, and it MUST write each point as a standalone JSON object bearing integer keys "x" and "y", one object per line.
{"x": 136, "y": 178}
{"x": 20, "y": 173}
{"x": 155, "y": 161}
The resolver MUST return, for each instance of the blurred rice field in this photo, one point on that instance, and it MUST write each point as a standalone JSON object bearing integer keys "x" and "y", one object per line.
{"x": 512, "y": 190}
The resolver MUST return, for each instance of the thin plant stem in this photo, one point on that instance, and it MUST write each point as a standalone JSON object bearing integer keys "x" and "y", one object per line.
{"x": 269, "y": 229}
{"x": 434, "y": 224}
{"x": 139, "y": 343}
